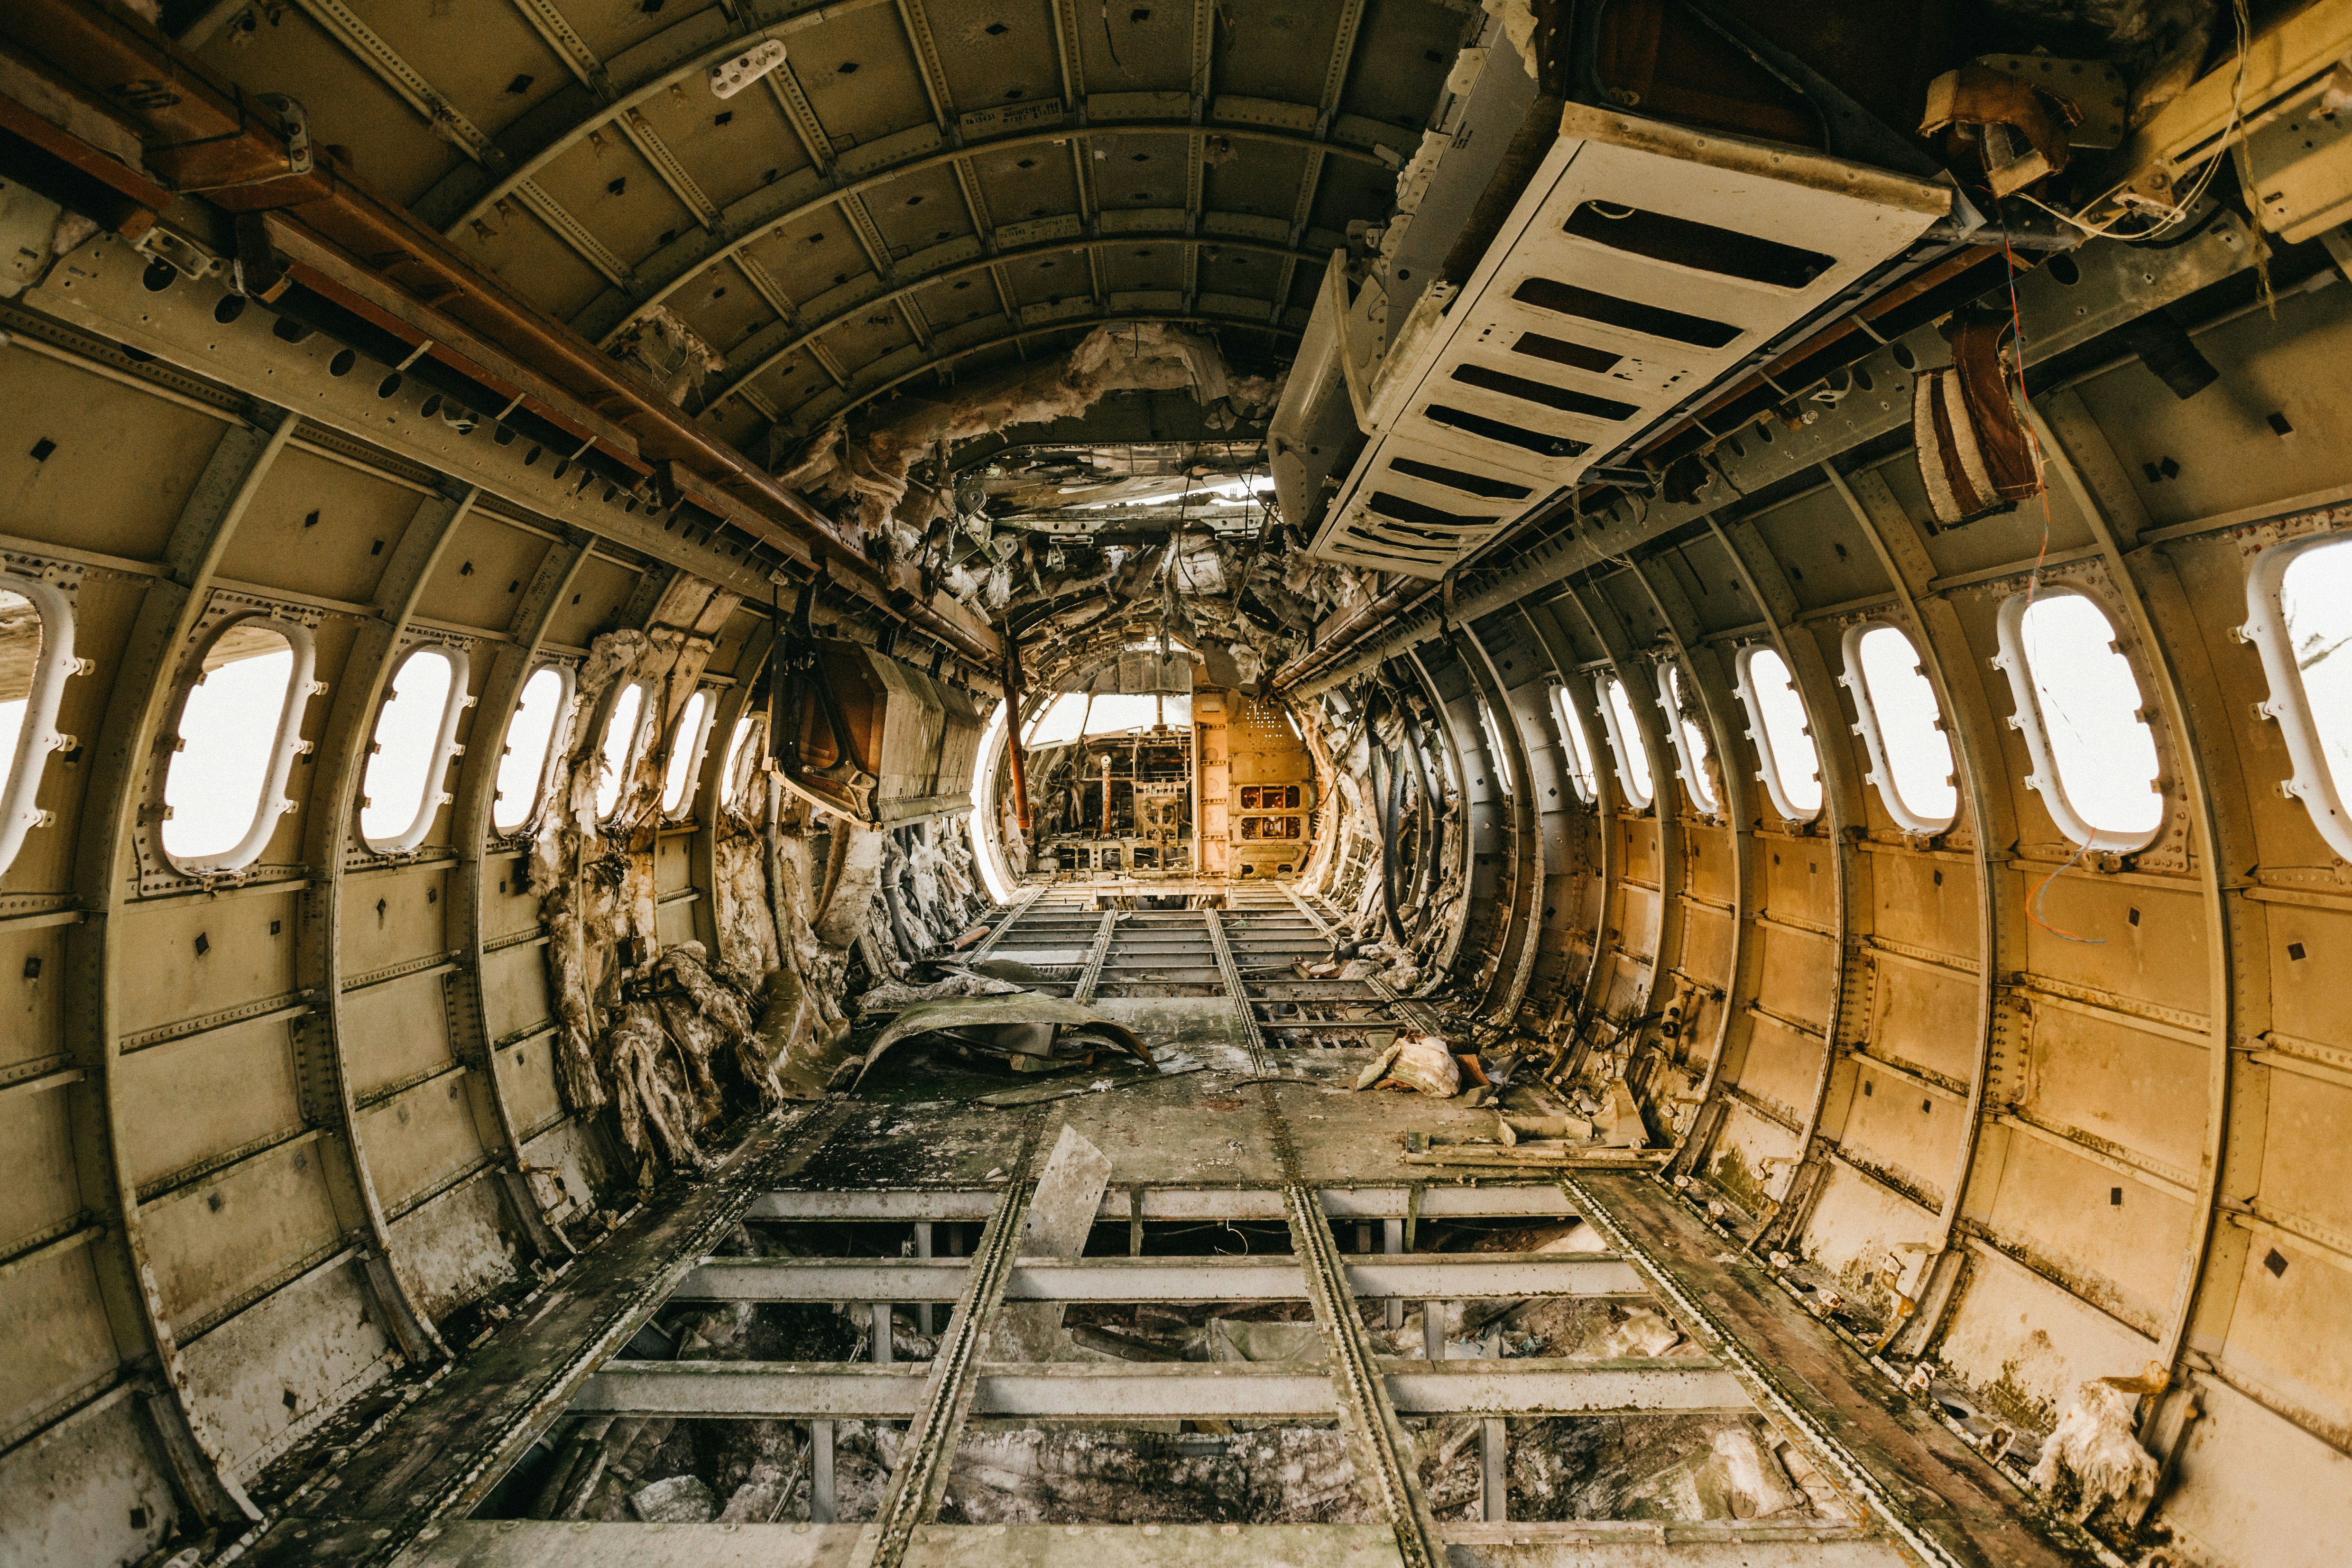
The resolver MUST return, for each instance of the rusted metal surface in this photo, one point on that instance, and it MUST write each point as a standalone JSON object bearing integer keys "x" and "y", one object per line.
{"x": 1942, "y": 1497}
{"x": 438, "y": 1453}
{"x": 2193, "y": 710}
{"x": 472, "y": 1039}
{"x": 100, "y": 956}
{"x": 325, "y": 1045}
{"x": 1897, "y": 542}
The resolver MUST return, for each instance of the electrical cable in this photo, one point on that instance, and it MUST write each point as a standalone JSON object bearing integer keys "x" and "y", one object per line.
{"x": 2034, "y": 583}
{"x": 2222, "y": 148}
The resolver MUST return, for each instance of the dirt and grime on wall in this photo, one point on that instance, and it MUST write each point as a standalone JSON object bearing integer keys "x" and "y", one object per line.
{"x": 657, "y": 1032}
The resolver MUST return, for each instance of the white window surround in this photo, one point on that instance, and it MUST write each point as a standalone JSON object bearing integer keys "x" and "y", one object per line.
{"x": 680, "y": 788}
{"x": 20, "y": 811}
{"x": 1491, "y": 731}
{"x": 1576, "y": 739}
{"x": 2030, "y": 722}
{"x": 285, "y": 746}
{"x": 744, "y": 748}
{"x": 1881, "y": 772}
{"x": 1760, "y": 735}
{"x": 557, "y": 734}
{"x": 446, "y": 748}
{"x": 1616, "y": 713}
{"x": 621, "y": 768}
{"x": 1690, "y": 761}
{"x": 2314, "y": 782}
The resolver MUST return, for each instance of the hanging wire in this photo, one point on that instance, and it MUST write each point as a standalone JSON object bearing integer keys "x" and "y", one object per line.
{"x": 2033, "y": 582}
{"x": 2181, "y": 208}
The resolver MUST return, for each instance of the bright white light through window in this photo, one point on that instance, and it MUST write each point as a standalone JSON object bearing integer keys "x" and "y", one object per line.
{"x": 1916, "y": 759}
{"x": 743, "y": 759}
{"x": 36, "y": 637}
{"x": 229, "y": 731}
{"x": 2316, "y": 595}
{"x": 12, "y": 720}
{"x": 685, "y": 752}
{"x": 1792, "y": 768}
{"x": 400, "y": 772}
{"x": 1625, "y": 739}
{"x": 1691, "y": 740}
{"x": 1502, "y": 779}
{"x": 2102, "y": 751}
{"x": 1109, "y": 715}
{"x": 1115, "y": 715}
{"x": 523, "y": 771}
{"x": 1058, "y": 725}
{"x": 984, "y": 806}
{"x": 619, "y": 751}
{"x": 1578, "y": 749}
{"x": 20, "y": 656}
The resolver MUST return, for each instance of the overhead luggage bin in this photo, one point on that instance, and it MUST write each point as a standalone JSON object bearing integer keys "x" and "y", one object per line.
{"x": 1645, "y": 264}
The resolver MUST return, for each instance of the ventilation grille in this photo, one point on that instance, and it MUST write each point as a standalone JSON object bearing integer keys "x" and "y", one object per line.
{"x": 1645, "y": 264}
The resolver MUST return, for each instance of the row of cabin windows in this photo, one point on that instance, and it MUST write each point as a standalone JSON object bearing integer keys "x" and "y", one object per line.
{"x": 239, "y": 735}
{"x": 2077, "y": 702}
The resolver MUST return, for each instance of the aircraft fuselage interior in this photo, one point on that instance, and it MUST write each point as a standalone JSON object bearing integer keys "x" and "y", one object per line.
{"x": 1350, "y": 783}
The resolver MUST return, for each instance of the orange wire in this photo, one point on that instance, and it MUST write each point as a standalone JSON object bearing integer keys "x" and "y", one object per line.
{"x": 2033, "y": 582}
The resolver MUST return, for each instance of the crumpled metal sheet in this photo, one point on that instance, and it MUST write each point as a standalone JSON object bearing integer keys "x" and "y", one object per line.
{"x": 980, "y": 1012}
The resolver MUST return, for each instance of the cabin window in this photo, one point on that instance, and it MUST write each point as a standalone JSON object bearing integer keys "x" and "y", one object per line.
{"x": 685, "y": 755}
{"x": 1783, "y": 734}
{"x": 415, "y": 735}
{"x": 1690, "y": 742}
{"x": 743, "y": 759}
{"x": 2078, "y": 707}
{"x": 1575, "y": 745}
{"x": 1625, "y": 742}
{"x": 239, "y": 730}
{"x": 1074, "y": 714}
{"x": 36, "y": 657}
{"x": 2299, "y": 594}
{"x": 1910, "y": 755}
{"x": 617, "y": 755}
{"x": 1487, "y": 725}
{"x": 531, "y": 745}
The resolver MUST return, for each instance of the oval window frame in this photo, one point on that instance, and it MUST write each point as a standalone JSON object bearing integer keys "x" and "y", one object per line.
{"x": 557, "y": 737}
{"x": 1582, "y": 760}
{"x": 285, "y": 745}
{"x": 693, "y": 788}
{"x": 1881, "y": 775}
{"x": 20, "y": 810}
{"x": 1504, "y": 783}
{"x": 743, "y": 757}
{"x": 1619, "y": 756}
{"x": 608, "y": 711}
{"x": 1760, "y": 734}
{"x": 444, "y": 746}
{"x": 1687, "y": 767}
{"x": 2045, "y": 780}
{"x": 2312, "y": 782}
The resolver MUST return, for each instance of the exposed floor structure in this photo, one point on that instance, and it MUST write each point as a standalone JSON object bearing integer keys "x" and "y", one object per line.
{"x": 1384, "y": 1362}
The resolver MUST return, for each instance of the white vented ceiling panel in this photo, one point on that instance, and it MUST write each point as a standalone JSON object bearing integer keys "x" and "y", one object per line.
{"x": 1644, "y": 263}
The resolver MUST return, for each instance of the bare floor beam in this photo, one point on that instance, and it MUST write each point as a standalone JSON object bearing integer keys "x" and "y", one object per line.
{"x": 1445, "y": 1277}
{"x": 1494, "y": 1485}
{"x": 823, "y": 1506}
{"x": 1174, "y": 1391}
{"x": 1531, "y": 1201}
{"x": 527, "y": 1543}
